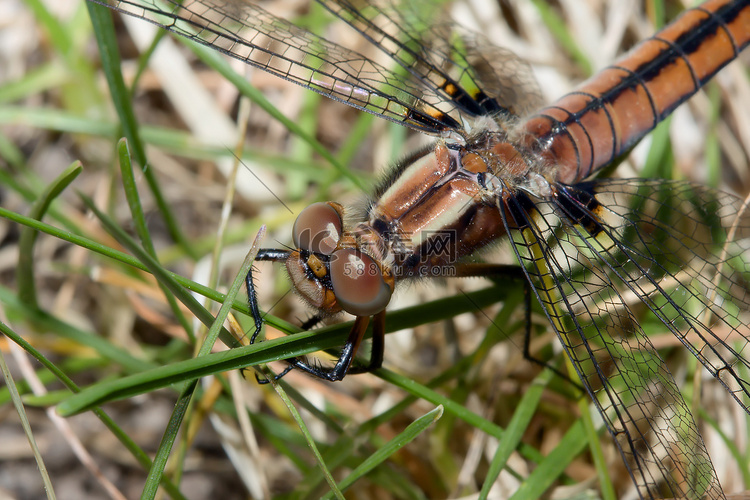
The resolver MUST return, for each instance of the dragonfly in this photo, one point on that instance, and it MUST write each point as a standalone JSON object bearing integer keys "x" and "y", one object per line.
{"x": 505, "y": 165}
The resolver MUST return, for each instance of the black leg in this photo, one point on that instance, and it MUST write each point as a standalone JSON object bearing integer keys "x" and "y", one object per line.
{"x": 270, "y": 254}
{"x": 273, "y": 255}
{"x": 344, "y": 364}
{"x": 252, "y": 299}
{"x": 339, "y": 371}
{"x": 348, "y": 352}
{"x": 514, "y": 272}
{"x": 312, "y": 321}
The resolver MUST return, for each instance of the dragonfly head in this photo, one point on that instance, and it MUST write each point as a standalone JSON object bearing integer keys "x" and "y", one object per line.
{"x": 330, "y": 271}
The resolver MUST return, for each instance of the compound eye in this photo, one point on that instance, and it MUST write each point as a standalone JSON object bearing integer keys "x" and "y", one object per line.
{"x": 358, "y": 283}
{"x": 318, "y": 229}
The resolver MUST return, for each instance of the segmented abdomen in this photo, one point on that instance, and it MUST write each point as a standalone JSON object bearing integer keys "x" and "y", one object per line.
{"x": 587, "y": 128}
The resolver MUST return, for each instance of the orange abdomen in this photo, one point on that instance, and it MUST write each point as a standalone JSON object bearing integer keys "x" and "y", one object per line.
{"x": 587, "y": 128}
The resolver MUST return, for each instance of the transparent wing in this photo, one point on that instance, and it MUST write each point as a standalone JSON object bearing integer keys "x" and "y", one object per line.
{"x": 456, "y": 66}
{"x": 434, "y": 90}
{"x": 602, "y": 251}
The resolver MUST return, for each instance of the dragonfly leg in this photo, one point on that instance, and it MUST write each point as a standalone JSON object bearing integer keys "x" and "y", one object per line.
{"x": 343, "y": 365}
{"x": 527, "y": 343}
{"x": 348, "y": 352}
{"x": 272, "y": 255}
{"x": 312, "y": 321}
{"x": 497, "y": 272}
{"x": 252, "y": 298}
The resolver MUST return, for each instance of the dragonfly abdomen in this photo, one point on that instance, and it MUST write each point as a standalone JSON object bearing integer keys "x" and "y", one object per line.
{"x": 589, "y": 127}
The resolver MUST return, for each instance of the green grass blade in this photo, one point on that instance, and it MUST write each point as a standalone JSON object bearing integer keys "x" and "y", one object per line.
{"x": 265, "y": 352}
{"x": 554, "y": 464}
{"x": 559, "y": 29}
{"x": 516, "y": 428}
{"x": 47, "y": 322}
{"x": 23, "y": 417}
{"x": 104, "y": 30}
{"x": 138, "y": 453}
{"x": 141, "y": 228}
{"x": 156, "y": 472}
{"x": 408, "y": 435}
{"x": 124, "y": 258}
{"x": 158, "y": 271}
{"x": 452, "y": 407}
{"x": 26, "y": 280}
{"x": 309, "y": 439}
{"x": 101, "y": 19}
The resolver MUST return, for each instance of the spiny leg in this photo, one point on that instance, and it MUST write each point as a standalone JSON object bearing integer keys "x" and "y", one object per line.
{"x": 348, "y": 351}
{"x": 513, "y": 272}
{"x": 273, "y": 255}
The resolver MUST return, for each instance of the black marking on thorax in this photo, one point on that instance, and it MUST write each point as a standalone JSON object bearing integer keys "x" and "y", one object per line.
{"x": 580, "y": 206}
